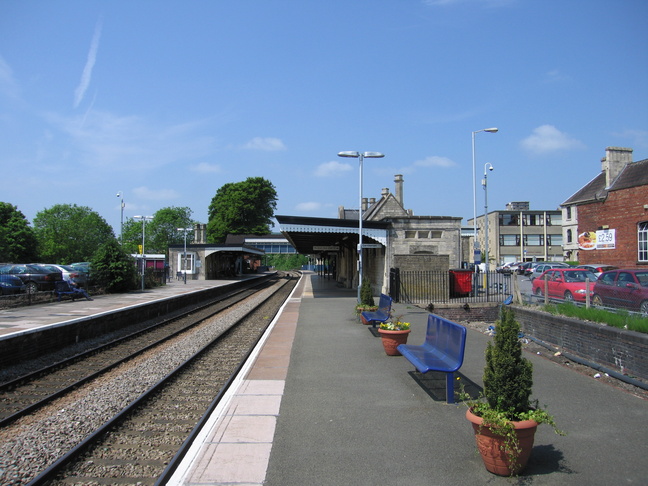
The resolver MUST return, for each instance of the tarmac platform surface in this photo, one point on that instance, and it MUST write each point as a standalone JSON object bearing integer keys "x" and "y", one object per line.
{"x": 320, "y": 403}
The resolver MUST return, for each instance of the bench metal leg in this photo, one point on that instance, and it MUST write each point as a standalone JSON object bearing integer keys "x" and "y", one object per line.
{"x": 450, "y": 388}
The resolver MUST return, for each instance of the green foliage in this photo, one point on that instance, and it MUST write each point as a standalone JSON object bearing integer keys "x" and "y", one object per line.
{"x": 18, "y": 242}
{"x": 285, "y": 261}
{"x": 113, "y": 269}
{"x": 160, "y": 232}
{"x": 366, "y": 294}
{"x": 620, "y": 319}
{"x": 242, "y": 208}
{"x": 508, "y": 376}
{"x": 69, "y": 233}
{"x": 508, "y": 380}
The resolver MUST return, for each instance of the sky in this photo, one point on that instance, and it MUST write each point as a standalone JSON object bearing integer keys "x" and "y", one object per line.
{"x": 166, "y": 101}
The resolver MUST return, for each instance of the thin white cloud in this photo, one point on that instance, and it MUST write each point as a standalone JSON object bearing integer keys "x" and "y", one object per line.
{"x": 435, "y": 161}
{"x": 205, "y": 168}
{"x": 309, "y": 206}
{"x": 79, "y": 93}
{"x": 144, "y": 192}
{"x": 547, "y": 138}
{"x": 638, "y": 138}
{"x": 332, "y": 169}
{"x": 8, "y": 85}
{"x": 555, "y": 76}
{"x": 265, "y": 143}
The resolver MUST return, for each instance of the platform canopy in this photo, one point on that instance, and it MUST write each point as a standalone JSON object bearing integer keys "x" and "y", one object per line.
{"x": 318, "y": 235}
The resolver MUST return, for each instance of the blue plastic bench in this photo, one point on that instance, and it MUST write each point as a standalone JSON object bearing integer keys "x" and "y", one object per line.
{"x": 382, "y": 314}
{"x": 443, "y": 350}
{"x": 63, "y": 288}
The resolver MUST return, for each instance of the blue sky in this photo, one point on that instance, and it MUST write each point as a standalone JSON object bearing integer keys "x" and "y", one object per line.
{"x": 169, "y": 100}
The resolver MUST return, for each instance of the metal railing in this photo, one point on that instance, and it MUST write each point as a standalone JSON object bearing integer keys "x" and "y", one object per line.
{"x": 454, "y": 286}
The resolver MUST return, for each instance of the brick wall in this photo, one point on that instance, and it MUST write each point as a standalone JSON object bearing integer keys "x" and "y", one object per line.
{"x": 621, "y": 211}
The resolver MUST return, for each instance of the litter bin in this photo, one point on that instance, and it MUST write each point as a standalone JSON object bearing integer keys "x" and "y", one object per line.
{"x": 460, "y": 282}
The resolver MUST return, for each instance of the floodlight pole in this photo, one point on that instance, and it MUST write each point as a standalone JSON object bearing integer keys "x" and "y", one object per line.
{"x": 475, "y": 242}
{"x": 121, "y": 230}
{"x": 360, "y": 156}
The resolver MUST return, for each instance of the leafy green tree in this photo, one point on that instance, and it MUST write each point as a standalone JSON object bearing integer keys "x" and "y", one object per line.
{"x": 69, "y": 233}
{"x": 113, "y": 269}
{"x": 242, "y": 208}
{"x": 290, "y": 261}
{"x": 160, "y": 232}
{"x": 17, "y": 239}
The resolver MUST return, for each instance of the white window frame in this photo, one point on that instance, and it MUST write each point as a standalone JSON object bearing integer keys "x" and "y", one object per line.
{"x": 191, "y": 262}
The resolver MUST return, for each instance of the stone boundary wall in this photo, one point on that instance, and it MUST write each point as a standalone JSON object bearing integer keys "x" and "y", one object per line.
{"x": 619, "y": 350}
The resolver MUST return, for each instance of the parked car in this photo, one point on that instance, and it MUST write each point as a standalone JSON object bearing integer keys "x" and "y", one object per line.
{"x": 10, "y": 284}
{"x": 542, "y": 267}
{"x": 522, "y": 268}
{"x": 73, "y": 275}
{"x": 565, "y": 284}
{"x": 506, "y": 267}
{"x": 623, "y": 288}
{"x": 34, "y": 277}
{"x": 597, "y": 268}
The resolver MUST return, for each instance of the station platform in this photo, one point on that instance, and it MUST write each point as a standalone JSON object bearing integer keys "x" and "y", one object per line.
{"x": 320, "y": 403}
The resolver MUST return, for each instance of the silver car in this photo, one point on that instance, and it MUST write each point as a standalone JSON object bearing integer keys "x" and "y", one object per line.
{"x": 73, "y": 275}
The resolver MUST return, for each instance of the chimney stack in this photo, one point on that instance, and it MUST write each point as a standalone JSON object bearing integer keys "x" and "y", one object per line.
{"x": 398, "y": 179}
{"x": 614, "y": 161}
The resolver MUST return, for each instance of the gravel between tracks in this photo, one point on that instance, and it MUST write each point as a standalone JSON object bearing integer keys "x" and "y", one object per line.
{"x": 34, "y": 442}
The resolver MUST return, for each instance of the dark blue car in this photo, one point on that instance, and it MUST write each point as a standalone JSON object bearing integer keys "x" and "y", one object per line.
{"x": 10, "y": 284}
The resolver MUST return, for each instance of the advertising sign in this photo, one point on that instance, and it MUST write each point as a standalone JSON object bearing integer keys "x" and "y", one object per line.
{"x": 597, "y": 240}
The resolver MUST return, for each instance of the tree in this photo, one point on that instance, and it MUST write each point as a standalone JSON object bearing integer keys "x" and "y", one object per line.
{"x": 160, "y": 232}
{"x": 17, "y": 240}
{"x": 113, "y": 269}
{"x": 69, "y": 233}
{"x": 242, "y": 208}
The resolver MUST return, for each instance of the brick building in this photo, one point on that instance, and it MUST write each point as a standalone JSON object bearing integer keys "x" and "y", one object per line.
{"x": 606, "y": 221}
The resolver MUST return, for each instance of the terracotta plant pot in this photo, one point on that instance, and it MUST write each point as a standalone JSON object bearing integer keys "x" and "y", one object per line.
{"x": 391, "y": 339}
{"x": 490, "y": 445}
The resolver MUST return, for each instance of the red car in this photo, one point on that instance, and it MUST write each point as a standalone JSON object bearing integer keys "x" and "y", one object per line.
{"x": 567, "y": 284}
{"x": 623, "y": 288}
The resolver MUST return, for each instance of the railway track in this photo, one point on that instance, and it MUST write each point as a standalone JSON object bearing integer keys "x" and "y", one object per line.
{"x": 160, "y": 396}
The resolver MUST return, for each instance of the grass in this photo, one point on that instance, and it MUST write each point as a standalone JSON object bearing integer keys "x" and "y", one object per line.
{"x": 621, "y": 319}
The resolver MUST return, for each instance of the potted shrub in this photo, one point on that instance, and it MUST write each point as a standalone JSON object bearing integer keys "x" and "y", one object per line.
{"x": 393, "y": 333}
{"x": 367, "y": 302}
{"x": 504, "y": 418}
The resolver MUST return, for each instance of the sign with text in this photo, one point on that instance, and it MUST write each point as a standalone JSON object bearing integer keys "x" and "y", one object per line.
{"x": 597, "y": 240}
{"x": 326, "y": 248}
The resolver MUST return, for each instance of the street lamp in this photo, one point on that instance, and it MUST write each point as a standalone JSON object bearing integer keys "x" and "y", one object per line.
{"x": 121, "y": 230}
{"x": 184, "y": 257}
{"x": 487, "y": 167}
{"x": 143, "y": 219}
{"x": 475, "y": 243}
{"x": 360, "y": 156}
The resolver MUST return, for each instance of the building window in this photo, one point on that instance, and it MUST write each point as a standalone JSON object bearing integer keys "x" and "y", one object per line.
{"x": 568, "y": 212}
{"x": 509, "y": 240}
{"x": 533, "y": 240}
{"x": 642, "y": 238}
{"x": 186, "y": 264}
{"x": 507, "y": 219}
{"x": 436, "y": 234}
{"x": 554, "y": 240}
{"x": 410, "y": 234}
{"x": 569, "y": 236}
{"x": 423, "y": 235}
{"x": 554, "y": 219}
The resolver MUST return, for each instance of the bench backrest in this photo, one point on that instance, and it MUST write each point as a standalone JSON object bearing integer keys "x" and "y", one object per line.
{"x": 385, "y": 303}
{"x": 447, "y": 337}
{"x": 62, "y": 286}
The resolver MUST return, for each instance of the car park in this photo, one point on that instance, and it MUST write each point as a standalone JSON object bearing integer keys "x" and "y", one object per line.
{"x": 506, "y": 268}
{"x": 597, "y": 268}
{"x": 625, "y": 288}
{"x": 521, "y": 267}
{"x": 10, "y": 284}
{"x": 73, "y": 275}
{"x": 569, "y": 284}
{"x": 542, "y": 267}
{"x": 34, "y": 277}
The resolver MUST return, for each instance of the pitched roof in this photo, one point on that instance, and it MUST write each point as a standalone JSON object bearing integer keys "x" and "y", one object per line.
{"x": 634, "y": 174}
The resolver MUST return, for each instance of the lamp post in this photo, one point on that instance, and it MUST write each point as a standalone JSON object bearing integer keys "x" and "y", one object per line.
{"x": 143, "y": 219}
{"x": 475, "y": 243}
{"x": 121, "y": 230}
{"x": 487, "y": 167}
{"x": 360, "y": 156}
{"x": 184, "y": 256}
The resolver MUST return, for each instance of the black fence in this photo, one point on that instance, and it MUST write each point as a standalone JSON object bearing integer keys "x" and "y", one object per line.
{"x": 425, "y": 287}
